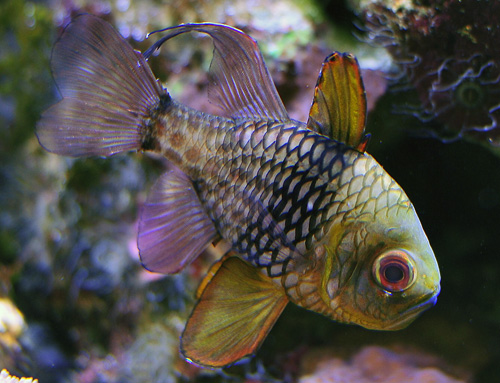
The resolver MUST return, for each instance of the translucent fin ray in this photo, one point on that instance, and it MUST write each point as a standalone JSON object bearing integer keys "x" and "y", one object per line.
{"x": 107, "y": 88}
{"x": 240, "y": 81}
{"x": 339, "y": 105}
{"x": 236, "y": 311}
{"x": 173, "y": 227}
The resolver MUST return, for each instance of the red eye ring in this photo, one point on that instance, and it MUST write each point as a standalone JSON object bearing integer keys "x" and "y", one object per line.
{"x": 394, "y": 270}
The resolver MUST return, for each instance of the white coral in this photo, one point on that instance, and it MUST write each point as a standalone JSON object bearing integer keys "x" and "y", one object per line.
{"x": 5, "y": 377}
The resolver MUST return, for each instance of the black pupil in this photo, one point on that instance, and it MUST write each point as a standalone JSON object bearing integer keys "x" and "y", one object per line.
{"x": 393, "y": 273}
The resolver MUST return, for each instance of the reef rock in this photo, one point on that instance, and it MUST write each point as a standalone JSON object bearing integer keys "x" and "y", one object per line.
{"x": 447, "y": 52}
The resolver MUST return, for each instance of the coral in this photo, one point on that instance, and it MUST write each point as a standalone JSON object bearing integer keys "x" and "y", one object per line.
{"x": 153, "y": 354}
{"x": 377, "y": 364}
{"x": 12, "y": 328}
{"x": 5, "y": 377}
{"x": 448, "y": 51}
{"x": 11, "y": 323}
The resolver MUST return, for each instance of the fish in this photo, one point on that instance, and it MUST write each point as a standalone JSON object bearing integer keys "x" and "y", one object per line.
{"x": 308, "y": 216}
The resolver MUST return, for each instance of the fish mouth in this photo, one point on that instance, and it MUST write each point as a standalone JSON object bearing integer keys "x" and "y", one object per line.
{"x": 409, "y": 315}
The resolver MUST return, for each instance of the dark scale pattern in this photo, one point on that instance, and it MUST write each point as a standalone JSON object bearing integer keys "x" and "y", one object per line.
{"x": 306, "y": 187}
{"x": 273, "y": 189}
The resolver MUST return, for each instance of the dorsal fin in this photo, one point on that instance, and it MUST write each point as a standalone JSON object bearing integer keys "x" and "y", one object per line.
{"x": 240, "y": 81}
{"x": 339, "y": 105}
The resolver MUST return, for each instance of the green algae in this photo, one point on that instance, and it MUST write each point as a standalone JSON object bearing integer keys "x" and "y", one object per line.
{"x": 26, "y": 37}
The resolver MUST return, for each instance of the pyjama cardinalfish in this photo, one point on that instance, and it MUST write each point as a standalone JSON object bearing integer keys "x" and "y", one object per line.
{"x": 310, "y": 217}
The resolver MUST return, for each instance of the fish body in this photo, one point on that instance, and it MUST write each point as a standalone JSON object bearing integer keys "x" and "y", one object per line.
{"x": 310, "y": 217}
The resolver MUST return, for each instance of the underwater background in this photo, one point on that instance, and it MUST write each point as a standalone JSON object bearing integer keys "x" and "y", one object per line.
{"x": 75, "y": 303}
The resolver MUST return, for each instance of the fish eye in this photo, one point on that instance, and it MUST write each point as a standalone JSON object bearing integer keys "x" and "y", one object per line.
{"x": 394, "y": 270}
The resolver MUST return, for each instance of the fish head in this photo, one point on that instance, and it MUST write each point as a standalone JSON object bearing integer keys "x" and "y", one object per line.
{"x": 381, "y": 269}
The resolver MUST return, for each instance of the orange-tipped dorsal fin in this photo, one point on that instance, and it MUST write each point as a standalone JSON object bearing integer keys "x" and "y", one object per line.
{"x": 339, "y": 105}
{"x": 234, "y": 314}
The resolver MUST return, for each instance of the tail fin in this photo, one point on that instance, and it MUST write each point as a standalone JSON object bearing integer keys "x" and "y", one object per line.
{"x": 107, "y": 88}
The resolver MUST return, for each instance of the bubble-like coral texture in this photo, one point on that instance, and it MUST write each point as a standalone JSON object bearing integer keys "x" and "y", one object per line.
{"x": 5, "y": 377}
{"x": 377, "y": 364}
{"x": 448, "y": 51}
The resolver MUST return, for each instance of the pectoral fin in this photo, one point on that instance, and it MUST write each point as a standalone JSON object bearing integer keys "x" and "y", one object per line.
{"x": 339, "y": 106}
{"x": 235, "y": 313}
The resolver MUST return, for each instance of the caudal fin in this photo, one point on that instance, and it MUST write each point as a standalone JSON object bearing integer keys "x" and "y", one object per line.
{"x": 107, "y": 88}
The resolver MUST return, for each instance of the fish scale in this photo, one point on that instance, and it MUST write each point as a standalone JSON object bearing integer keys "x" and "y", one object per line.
{"x": 291, "y": 196}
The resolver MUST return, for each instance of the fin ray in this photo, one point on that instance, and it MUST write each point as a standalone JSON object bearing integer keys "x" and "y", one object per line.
{"x": 173, "y": 227}
{"x": 236, "y": 311}
{"x": 107, "y": 88}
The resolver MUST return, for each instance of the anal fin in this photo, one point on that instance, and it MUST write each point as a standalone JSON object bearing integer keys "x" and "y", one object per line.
{"x": 211, "y": 273}
{"x": 173, "y": 228}
{"x": 236, "y": 311}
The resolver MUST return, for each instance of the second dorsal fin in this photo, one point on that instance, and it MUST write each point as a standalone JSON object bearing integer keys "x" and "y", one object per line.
{"x": 240, "y": 81}
{"x": 339, "y": 105}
